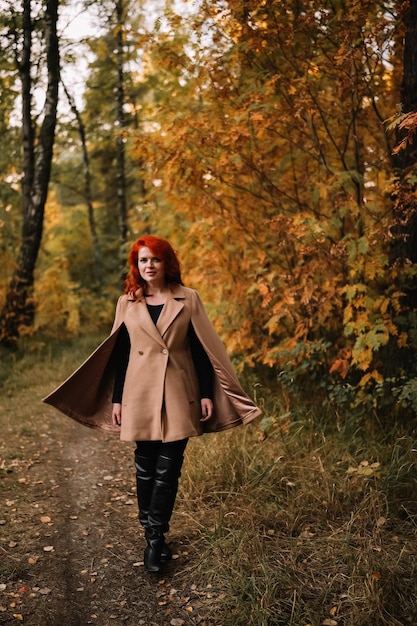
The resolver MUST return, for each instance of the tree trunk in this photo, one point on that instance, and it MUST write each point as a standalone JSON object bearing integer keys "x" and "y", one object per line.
{"x": 404, "y": 230}
{"x": 121, "y": 161}
{"x": 18, "y": 309}
{"x": 87, "y": 187}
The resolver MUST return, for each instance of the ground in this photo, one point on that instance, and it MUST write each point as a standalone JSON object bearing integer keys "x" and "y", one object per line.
{"x": 71, "y": 545}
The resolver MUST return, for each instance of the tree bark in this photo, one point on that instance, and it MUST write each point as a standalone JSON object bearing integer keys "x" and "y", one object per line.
{"x": 87, "y": 186}
{"x": 120, "y": 146}
{"x": 18, "y": 309}
{"x": 404, "y": 230}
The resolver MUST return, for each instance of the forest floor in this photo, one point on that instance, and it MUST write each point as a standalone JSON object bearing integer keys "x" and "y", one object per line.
{"x": 71, "y": 545}
{"x": 304, "y": 527}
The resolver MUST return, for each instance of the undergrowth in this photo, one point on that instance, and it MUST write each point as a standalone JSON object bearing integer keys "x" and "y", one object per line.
{"x": 310, "y": 525}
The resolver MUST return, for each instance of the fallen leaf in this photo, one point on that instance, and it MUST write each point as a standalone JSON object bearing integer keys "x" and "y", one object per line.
{"x": 45, "y": 519}
{"x": 48, "y": 548}
{"x": 18, "y": 616}
{"x": 44, "y": 591}
{"x": 177, "y": 622}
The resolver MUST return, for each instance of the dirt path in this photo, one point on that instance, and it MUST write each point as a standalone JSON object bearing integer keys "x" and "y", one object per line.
{"x": 71, "y": 544}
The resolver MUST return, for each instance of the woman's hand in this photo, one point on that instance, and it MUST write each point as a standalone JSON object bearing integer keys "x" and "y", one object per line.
{"x": 206, "y": 409}
{"x": 116, "y": 415}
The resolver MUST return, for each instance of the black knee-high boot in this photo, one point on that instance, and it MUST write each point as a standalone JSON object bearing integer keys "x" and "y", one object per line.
{"x": 145, "y": 478}
{"x": 165, "y": 487}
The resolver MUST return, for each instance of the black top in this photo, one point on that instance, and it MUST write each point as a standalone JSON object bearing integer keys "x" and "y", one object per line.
{"x": 201, "y": 361}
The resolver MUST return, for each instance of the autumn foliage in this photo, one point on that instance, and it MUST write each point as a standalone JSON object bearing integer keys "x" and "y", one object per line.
{"x": 266, "y": 139}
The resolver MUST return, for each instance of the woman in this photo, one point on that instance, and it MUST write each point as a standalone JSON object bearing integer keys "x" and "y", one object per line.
{"x": 169, "y": 378}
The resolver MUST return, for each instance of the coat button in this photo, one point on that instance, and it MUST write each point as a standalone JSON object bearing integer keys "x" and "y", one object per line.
{"x": 164, "y": 351}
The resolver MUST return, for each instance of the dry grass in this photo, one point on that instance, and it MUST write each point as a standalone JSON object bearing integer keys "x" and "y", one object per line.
{"x": 306, "y": 527}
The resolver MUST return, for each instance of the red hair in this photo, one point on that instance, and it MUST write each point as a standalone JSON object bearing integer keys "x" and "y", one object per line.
{"x": 162, "y": 249}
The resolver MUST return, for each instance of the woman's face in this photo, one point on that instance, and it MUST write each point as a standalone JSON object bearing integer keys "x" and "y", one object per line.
{"x": 151, "y": 268}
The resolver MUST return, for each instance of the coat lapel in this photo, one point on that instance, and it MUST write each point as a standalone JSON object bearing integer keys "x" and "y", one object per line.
{"x": 146, "y": 323}
{"x": 173, "y": 306}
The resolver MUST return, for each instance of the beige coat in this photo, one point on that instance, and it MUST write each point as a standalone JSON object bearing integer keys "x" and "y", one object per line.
{"x": 160, "y": 396}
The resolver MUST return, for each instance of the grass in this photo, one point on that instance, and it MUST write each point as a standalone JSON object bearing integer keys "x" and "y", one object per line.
{"x": 313, "y": 524}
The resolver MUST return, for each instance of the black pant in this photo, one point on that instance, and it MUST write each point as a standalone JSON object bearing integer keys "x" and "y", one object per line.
{"x": 170, "y": 449}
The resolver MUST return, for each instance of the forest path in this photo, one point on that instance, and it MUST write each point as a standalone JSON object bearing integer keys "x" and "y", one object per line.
{"x": 72, "y": 542}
